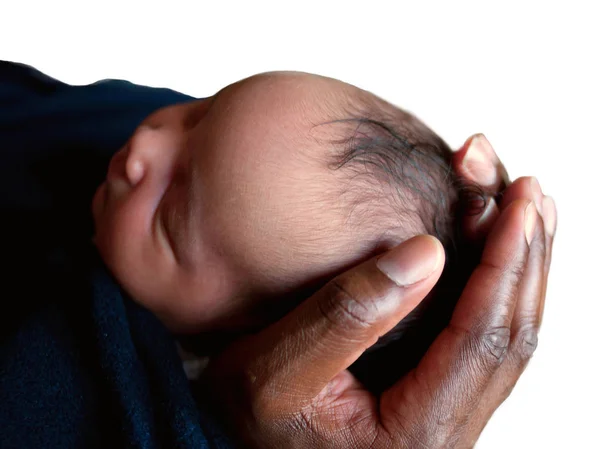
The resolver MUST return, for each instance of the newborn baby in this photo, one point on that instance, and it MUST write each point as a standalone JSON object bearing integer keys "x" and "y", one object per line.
{"x": 219, "y": 215}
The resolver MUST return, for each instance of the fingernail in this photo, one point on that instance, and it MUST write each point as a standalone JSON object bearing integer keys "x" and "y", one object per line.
{"x": 530, "y": 221}
{"x": 412, "y": 261}
{"x": 536, "y": 190}
{"x": 485, "y": 146}
{"x": 479, "y": 161}
{"x": 549, "y": 214}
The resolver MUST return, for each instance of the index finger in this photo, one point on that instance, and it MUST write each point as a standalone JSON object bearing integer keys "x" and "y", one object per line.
{"x": 455, "y": 371}
{"x": 330, "y": 330}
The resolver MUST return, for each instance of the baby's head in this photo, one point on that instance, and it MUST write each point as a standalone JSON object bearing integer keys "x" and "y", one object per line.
{"x": 217, "y": 209}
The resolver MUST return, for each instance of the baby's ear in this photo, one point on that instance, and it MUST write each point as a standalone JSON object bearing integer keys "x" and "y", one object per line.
{"x": 476, "y": 162}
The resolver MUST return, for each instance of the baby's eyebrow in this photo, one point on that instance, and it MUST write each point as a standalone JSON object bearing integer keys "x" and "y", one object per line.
{"x": 219, "y": 94}
{"x": 193, "y": 118}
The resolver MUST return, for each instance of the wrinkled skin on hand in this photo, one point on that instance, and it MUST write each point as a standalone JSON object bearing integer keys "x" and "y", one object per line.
{"x": 288, "y": 386}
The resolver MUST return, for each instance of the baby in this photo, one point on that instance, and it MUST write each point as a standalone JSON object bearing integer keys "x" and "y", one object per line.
{"x": 219, "y": 215}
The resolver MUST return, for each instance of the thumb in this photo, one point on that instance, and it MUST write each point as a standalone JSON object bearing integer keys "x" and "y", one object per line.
{"x": 324, "y": 335}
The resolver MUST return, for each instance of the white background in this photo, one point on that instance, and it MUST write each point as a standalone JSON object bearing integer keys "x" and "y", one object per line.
{"x": 526, "y": 74}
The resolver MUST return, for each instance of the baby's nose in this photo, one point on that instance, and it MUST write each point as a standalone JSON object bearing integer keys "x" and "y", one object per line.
{"x": 145, "y": 152}
{"x": 134, "y": 169}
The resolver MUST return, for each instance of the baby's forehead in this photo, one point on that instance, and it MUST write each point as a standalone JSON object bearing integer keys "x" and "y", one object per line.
{"x": 281, "y": 111}
{"x": 318, "y": 107}
{"x": 294, "y": 96}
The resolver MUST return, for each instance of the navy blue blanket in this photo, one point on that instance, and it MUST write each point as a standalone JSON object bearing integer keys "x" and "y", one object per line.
{"x": 81, "y": 365}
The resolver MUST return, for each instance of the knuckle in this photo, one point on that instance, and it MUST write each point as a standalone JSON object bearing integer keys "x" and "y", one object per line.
{"x": 483, "y": 350}
{"x": 537, "y": 248}
{"x": 495, "y": 342}
{"x": 524, "y": 344}
{"x": 515, "y": 272}
{"x": 342, "y": 305}
{"x": 487, "y": 346}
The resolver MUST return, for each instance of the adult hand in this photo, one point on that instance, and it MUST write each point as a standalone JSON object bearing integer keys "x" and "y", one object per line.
{"x": 476, "y": 160}
{"x": 288, "y": 386}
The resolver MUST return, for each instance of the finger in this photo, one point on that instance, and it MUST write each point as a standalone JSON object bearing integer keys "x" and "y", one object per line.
{"x": 526, "y": 187}
{"x": 549, "y": 215}
{"x": 477, "y": 161}
{"x": 529, "y": 188}
{"x": 477, "y": 226}
{"x": 459, "y": 365}
{"x": 330, "y": 330}
{"x": 523, "y": 342}
{"x": 525, "y": 324}
{"x": 526, "y": 318}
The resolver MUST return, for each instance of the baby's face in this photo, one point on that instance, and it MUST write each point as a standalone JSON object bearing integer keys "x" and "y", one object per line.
{"x": 217, "y": 207}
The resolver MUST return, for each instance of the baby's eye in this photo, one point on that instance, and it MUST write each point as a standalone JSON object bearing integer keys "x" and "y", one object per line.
{"x": 168, "y": 217}
{"x": 173, "y": 210}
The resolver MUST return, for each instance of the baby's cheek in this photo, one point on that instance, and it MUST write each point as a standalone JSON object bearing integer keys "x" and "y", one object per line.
{"x": 125, "y": 250}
